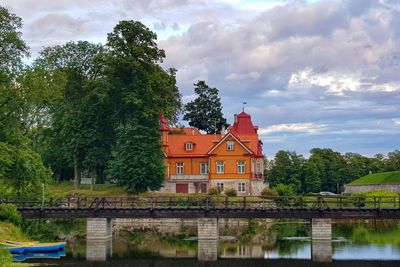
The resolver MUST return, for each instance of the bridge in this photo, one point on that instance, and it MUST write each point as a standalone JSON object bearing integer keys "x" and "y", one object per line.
{"x": 320, "y": 210}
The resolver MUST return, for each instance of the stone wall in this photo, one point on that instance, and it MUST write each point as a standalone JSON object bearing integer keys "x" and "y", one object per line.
{"x": 257, "y": 186}
{"x": 350, "y": 189}
{"x": 173, "y": 226}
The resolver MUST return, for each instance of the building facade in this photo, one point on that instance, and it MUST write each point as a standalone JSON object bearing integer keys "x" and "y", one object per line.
{"x": 196, "y": 162}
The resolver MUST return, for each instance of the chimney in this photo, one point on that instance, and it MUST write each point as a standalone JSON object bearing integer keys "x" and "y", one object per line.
{"x": 235, "y": 118}
{"x": 223, "y": 130}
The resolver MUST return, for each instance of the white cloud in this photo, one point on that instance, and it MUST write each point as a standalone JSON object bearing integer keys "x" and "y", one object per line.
{"x": 338, "y": 83}
{"x": 396, "y": 121}
{"x": 307, "y": 127}
{"x": 335, "y": 83}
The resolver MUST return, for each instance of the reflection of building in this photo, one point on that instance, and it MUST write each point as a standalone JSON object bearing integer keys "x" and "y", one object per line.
{"x": 230, "y": 160}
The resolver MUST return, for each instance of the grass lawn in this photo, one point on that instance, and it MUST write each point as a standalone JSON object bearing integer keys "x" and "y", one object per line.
{"x": 378, "y": 178}
{"x": 9, "y": 231}
{"x": 66, "y": 188}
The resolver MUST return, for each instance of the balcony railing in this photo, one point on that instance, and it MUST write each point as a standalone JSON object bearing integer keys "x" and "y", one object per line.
{"x": 189, "y": 177}
{"x": 257, "y": 176}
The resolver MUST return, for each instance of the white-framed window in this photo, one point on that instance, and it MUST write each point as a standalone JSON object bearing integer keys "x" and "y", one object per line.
{"x": 189, "y": 146}
{"x": 241, "y": 166}
{"x": 230, "y": 145}
{"x": 220, "y": 167}
{"x": 220, "y": 186}
{"x": 203, "y": 168}
{"x": 179, "y": 168}
{"x": 241, "y": 187}
{"x": 258, "y": 166}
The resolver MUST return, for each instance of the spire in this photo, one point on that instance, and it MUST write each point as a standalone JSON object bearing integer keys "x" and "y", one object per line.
{"x": 243, "y": 124}
{"x": 163, "y": 123}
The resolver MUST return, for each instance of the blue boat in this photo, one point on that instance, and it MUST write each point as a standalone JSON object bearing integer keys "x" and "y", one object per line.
{"x": 47, "y": 255}
{"x": 19, "y": 248}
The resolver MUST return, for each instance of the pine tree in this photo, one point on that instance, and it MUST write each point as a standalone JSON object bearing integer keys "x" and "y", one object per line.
{"x": 205, "y": 112}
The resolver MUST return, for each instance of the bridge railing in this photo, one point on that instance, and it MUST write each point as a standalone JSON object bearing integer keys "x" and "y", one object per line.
{"x": 208, "y": 202}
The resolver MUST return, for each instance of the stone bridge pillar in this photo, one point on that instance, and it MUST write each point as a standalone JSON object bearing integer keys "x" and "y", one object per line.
{"x": 98, "y": 239}
{"x": 321, "y": 249}
{"x": 207, "y": 229}
{"x": 207, "y": 250}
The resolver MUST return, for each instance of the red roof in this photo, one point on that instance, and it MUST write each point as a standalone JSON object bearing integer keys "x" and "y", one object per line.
{"x": 243, "y": 125}
{"x": 202, "y": 143}
{"x": 243, "y": 129}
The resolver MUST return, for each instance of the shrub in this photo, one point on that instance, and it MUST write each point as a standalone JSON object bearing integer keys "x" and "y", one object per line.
{"x": 214, "y": 191}
{"x": 9, "y": 213}
{"x": 230, "y": 192}
{"x": 285, "y": 190}
{"x": 266, "y": 192}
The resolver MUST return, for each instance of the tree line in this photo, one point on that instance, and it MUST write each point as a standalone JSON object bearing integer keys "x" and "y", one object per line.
{"x": 82, "y": 107}
{"x": 325, "y": 169}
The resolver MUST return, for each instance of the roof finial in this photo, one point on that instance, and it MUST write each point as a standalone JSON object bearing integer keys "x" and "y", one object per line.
{"x": 243, "y": 103}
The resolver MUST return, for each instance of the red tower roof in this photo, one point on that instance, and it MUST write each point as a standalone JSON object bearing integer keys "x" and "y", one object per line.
{"x": 164, "y": 123}
{"x": 243, "y": 125}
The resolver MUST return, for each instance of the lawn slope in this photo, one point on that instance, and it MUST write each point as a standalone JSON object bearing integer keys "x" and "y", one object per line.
{"x": 378, "y": 178}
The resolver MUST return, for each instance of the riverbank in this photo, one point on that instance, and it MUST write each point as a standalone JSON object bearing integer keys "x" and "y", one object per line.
{"x": 9, "y": 231}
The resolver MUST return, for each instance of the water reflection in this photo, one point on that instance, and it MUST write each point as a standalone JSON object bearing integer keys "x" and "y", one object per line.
{"x": 284, "y": 244}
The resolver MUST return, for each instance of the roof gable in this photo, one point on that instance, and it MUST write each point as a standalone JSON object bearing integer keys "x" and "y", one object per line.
{"x": 235, "y": 139}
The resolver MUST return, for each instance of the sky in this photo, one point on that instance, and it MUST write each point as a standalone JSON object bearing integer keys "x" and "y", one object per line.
{"x": 313, "y": 73}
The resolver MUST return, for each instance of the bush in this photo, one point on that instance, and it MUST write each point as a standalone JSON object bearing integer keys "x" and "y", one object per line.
{"x": 285, "y": 190}
{"x": 9, "y": 213}
{"x": 266, "y": 192}
{"x": 230, "y": 192}
{"x": 214, "y": 191}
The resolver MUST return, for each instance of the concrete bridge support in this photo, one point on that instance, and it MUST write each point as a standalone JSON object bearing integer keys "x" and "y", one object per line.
{"x": 98, "y": 250}
{"x": 321, "y": 232}
{"x": 207, "y": 229}
{"x": 98, "y": 239}
{"x": 207, "y": 250}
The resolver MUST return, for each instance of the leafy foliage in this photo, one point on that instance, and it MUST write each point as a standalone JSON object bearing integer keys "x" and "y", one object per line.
{"x": 12, "y": 47}
{"x": 205, "y": 112}
{"x": 9, "y": 213}
{"x": 230, "y": 192}
{"x": 214, "y": 191}
{"x": 327, "y": 170}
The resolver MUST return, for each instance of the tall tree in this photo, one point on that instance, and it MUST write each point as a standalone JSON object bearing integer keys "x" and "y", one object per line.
{"x": 141, "y": 90}
{"x": 205, "y": 112}
{"x": 12, "y": 46}
{"x": 81, "y": 117}
{"x": 20, "y": 166}
{"x": 286, "y": 169}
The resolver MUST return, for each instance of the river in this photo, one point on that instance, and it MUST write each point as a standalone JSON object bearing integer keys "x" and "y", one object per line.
{"x": 283, "y": 243}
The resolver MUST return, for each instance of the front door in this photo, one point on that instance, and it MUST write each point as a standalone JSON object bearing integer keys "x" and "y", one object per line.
{"x": 182, "y": 188}
{"x": 203, "y": 188}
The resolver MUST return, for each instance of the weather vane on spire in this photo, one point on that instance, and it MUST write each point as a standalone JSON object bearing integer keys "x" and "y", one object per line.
{"x": 243, "y": 103}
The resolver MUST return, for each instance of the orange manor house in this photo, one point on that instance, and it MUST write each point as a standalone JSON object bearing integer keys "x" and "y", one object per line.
{"x": 196, "y": 162}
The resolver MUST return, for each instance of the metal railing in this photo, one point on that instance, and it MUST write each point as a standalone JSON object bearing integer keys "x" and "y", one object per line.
{"x": 208, "y": 202}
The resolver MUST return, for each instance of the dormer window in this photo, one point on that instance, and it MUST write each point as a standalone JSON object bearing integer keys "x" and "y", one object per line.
{"x": 189, "y": 146}
{"x": 230, "y": 145}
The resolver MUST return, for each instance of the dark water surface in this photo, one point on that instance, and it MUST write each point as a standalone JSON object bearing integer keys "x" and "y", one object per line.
{"x": 283, "y": 244}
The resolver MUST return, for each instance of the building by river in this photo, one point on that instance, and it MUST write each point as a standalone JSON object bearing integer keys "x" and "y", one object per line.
{"x": 197, "y": 162}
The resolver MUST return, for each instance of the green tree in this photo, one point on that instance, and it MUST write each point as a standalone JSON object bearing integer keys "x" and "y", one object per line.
{"x": 20, "y": 166}
{"x": 12, "y": 46}
{"x": 81, "y": 117}
{"x": 286, "y": 168}
{"x": 330, "y": 168}
{"x": 141, "y": 90}
{"x": 205, "y": 112}
{"x": 393, "y": 161}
